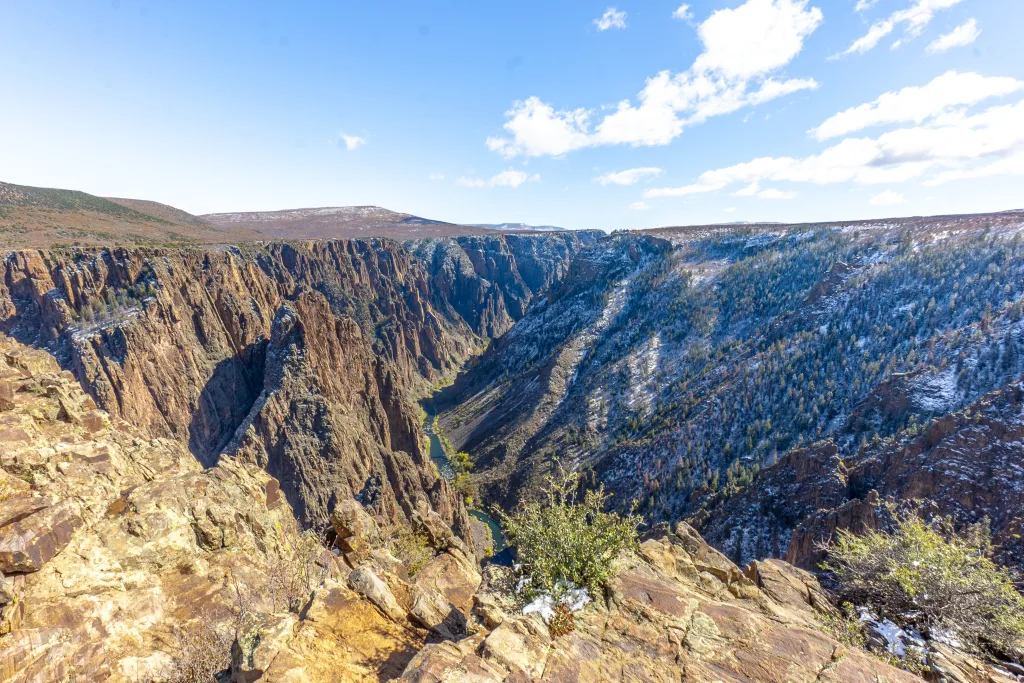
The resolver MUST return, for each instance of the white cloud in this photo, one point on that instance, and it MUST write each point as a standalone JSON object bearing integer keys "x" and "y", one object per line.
{"x": 755, "y": 38}
{"x": 962, "y": 35}
{"x": 869, "y": 40}
{"x": 915, "y": 18}
{"x": 507, "y": 178}
{"x": 628, "y": 177}
{"x": 730, "y": 209}
{"x": 772, "y": 193}
{"x": 352, "y": 141}
{"x": 639, "y": 206}
{"x": 537, "y": 130}
{"x": 948, "y": 147}
{"x": 742, "y": 48}
{"x": 683, "y": 13}
{"x": 612, "y": 18}
{"x": 748, "y": 191}
{"x": 887, "y": 198}
{"x": 436, "y": 176}
{"x": 918, "y": 103}
{"x": 863, "y": 5}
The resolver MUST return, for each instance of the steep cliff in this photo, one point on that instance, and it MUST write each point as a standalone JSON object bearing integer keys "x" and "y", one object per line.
{"x": 312, "y": 351}
{"x": 122, "y": 559}
{"x": 966, "y": 464}
{"x": 671, "y": 373}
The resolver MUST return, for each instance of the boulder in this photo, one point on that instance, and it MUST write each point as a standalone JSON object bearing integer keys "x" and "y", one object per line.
{"x": 364, "y": 582}
{"x": 431, "y": 609}
{"x": 356, "y": 530}
{"x": 520, "y": 644}
{"x": 454, "y": 576}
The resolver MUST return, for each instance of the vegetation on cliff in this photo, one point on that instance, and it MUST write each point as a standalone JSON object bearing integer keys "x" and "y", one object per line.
{"x": 565, "y": 541}
{"x": 929, "y": 578}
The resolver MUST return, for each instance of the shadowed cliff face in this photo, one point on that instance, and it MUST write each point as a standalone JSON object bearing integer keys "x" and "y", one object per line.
{"x": 315, "y": 349}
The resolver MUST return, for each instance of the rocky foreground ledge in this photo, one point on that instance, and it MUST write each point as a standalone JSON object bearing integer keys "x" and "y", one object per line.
{"x": 119, "y": 553}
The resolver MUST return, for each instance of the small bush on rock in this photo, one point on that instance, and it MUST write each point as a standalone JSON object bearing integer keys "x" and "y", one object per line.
{"x": 198, "y": 652}
{"x": 296, "y": 570}
{"x": 562, "y": 621}
{"x": 925, "y": 576}
{"x": 562, "y": 541}
{"x": 412, "y": 548}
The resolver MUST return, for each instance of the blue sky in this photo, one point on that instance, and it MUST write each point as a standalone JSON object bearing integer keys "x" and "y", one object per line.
{"x": 581, "y": 114}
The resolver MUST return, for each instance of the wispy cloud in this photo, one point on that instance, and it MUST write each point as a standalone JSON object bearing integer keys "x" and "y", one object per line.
{"x": 915, "y": 18}
{"x": 962, "y": 35}
{"x": 436, "y": 175}
{"x": 683, "y": 13}
{"x": 743, "y": 47}
{"x": 772, "y": 193}
{"x": 352, "y": 141}
{"x": 943, "y": 147}
{"x": 917, "y": 103}
{"x": 628, "y": 177}
{"x": 639, "y": 206}
{"x": 612, "y": 18}
{"x": 507, "y": 178}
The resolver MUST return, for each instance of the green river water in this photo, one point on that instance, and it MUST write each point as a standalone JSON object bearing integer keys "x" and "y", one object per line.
{"x": 440, "y": 459}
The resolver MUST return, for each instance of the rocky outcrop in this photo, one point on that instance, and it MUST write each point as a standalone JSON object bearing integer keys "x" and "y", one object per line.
{"x": 124, "y": 560}
{"x": 758, "y": 522}
{"x": 677, "y": 611}
{"x": 332, "y": 423}
{"x": 965, "y": 464}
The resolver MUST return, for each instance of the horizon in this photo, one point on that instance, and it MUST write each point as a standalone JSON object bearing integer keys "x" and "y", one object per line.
{"x": 594, "y": 116}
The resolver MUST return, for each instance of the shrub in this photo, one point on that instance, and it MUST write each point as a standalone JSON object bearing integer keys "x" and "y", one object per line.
{"x": 198, "y": 653}
{"x": 927, "y": 577}
{"x": 412, "y": 548}
{"x": 296, "y": 570}
{"x": 561, "y": 540}
{"x": 562, "y": 621}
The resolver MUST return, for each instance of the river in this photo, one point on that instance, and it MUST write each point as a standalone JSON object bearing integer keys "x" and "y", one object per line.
{"x": 444, "y": 467}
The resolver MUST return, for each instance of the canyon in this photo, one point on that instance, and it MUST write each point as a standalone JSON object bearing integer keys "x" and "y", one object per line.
{"x": 177, "y": 413}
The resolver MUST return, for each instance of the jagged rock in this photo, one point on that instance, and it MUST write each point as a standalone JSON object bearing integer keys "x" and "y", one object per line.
{"x": 364, "y": 582}
{"x": 17, "y": 508}
{"x": 488, "y": 610}
{"x": 451, "y": 663}
{"x": 356, "y": 531}
{"x": 790, "y": 586}
{"x": 6, "y": 396}
{"x": 452, "y": 575}
{"x": 809, "y": 537}
{"x": 519, "y": 645}
{"x": 431, "y": 609}
{"x": 661, "y": 624}
{"x": 28, "y": 544}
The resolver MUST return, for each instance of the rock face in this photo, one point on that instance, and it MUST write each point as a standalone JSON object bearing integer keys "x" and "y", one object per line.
{"x": 168, "y": 561}
{"x": 678, "y": 611}
{"x": 965, "y": 464}
{"x": 303, "y": 357}
{"x": 491, "y": 280}
{"x": 119, "y": 554}
{"x": 518, "y": 393}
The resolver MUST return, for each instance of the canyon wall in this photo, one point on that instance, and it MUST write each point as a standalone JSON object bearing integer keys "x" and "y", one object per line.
{"x": 305, "y": 357}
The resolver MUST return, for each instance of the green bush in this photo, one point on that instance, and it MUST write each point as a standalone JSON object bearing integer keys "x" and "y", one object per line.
{"x": 412, "y": 548}
{"x": 562, "y": 540}
{"x": 926, "y": 576}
